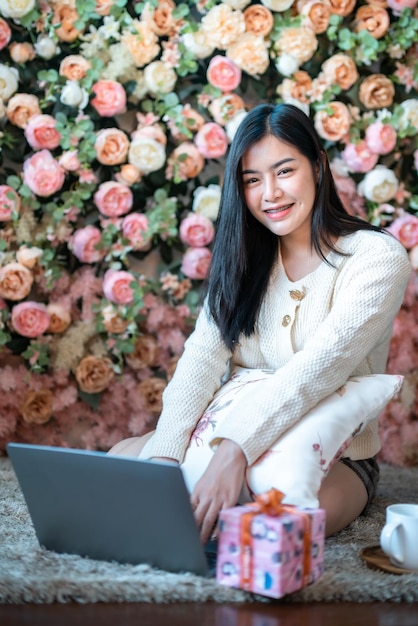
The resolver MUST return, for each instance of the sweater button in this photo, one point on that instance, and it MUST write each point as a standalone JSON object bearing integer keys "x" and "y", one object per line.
{"x": 286, "y": 320}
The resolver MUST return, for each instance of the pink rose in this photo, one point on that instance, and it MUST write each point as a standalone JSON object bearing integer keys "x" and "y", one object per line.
{"x": 223, "y": 73}
{"x": 211, "y": 141}
{"x": 405, "y": 229}
{"x": 113, "y": 199}
{"x": 358, "y": 157}
{"x": 5, "y": 33}
{"x": 41, "y": 132}
{"x": 69, "y": 160}
{"x": 117, "y": 286}
{"x": 398, "y": 5}
{"x": 9, "y": 203}
{"x": 381, "y": 138}
{"x": 43, "y": 174}
{"x": 134, "y": 228}
{"x": 195, "y": 263}
{"x": 196, "y": 230}
{"x": 110, "y": 98}
{"x": 84, "y": 244}
{"x": 30, "y": 319}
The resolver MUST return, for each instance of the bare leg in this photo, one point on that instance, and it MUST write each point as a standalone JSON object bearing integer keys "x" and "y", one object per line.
{"x": 343, "y": 496}
{"x": 130, "y": 447}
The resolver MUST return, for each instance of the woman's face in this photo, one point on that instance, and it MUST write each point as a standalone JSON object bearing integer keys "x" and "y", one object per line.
{"x": 279, "y": 187}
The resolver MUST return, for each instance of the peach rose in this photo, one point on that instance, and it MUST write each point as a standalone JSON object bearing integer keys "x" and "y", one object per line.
{"x": 128, "y": 175}
{"x": 85, "y": 245}
{"x": 300, "y": 43}
{"x": 333, "y": 127}
{"x": 134, "y": 228}
{"x": 21, "y": 52}
{"x": 258, "y": 20}
{"x": 405, "y": 229}
{"x": 21, "y": 107}
{"x": 223, "y": 26}
{"x": 224, "y": 108}
{"x": 59, "y": 317}
{"x": 37, "y": 406}
{"x": 372, "y": 18}
{"x": 15, "y": 281}
{"x": 103, "y": 6}
{"x": 5, "y": 33}
{"x": 185, "y": 161}
{"x": 250, "y": 53}
{"x": 9, "y": 203}
{"x": 145, "y": 353}
{"x": 340, "y": 69}
{"x": 65, "y": 18}
{"x": 318, "y": 14}
{"x": 342, "y": 7}
{"x": 381, "y": 138}
{"x": 74, "y": 67}
{"x": 109, "y": 98}
{"x": 211, "y": 141}
{"x": 223, "y": 73}
{"x": 376, "y": 92}
{"x": 196, "y": 230}
{"x": 190, "y": 119}
{"x": 142, "y": 44}
{"x": 30, "y": 319}
{"x": 152, "y": 389}
{"x": 113, "y": 321}
{"x": 160, "y": 19}
{"x": 117, "y": 286}
{"x": 195, "y": 263}
{"x": 111, "y": 146}
{"x": 43, "y": 174}
{"x": 113, "y": 199}
{"x": 358, "y": 157}
{"x": 29, "y": 256}
{"x": 69, "y": 160}
{"x": 297, "y": 87}
{"x": 41, "y": 132}
{"x": 94, "y": 374}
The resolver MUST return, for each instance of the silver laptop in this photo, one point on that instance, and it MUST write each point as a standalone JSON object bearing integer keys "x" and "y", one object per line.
{"x": 109, "y": 508}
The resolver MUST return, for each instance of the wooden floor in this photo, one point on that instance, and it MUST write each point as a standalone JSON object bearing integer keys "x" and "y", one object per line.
{"x": 209, "y": 614}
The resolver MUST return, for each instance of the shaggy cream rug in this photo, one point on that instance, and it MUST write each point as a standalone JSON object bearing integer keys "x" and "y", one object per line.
{"x": 29, "y": 573}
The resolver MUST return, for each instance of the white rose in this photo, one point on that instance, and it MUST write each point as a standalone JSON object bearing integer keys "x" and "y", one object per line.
{"x": 46, "y": 47}
{"x": 197, "y": 43}
{"x": 277, "y": 5}
{"x": 146, "y": 154}
{"x": 287, "y": 64}
{"x": 73, "y": 95}
{"x": 413, "y": 257}
{"x": 9, "y": 80}
{"x": 297, "y": 103}
{"x": 237, "y": 4}
{"x": 2, "y": 110}
{"x": 232, "y": 126}
{"x": 409, "y": 114}
{"x": 16, "y": 8}
{"x": 206, "y": 201}
{"x": 223, "y": 26}
{"x": 379, "y": 185}
{"x": 28, "y": 256}
{"x": 159, "y": 78}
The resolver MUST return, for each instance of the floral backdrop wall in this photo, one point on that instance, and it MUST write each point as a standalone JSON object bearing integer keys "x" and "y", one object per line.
{"x": 115, "y": 119}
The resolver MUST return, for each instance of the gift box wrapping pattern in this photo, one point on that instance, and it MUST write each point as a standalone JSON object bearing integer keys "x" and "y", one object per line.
{"x": 277, "y": 547}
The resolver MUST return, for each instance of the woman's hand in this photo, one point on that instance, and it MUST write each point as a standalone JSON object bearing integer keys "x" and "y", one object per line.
{"x": 219, "y": 487}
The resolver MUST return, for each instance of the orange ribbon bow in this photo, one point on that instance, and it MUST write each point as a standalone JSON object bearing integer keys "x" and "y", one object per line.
{"x": 270, "y": 503}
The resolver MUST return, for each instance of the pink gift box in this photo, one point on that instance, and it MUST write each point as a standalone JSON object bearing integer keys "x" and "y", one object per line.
{"x": 282, "y": 553}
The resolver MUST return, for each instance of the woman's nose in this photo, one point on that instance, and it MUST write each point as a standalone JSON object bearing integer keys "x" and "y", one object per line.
{"x": 271, "y": 190}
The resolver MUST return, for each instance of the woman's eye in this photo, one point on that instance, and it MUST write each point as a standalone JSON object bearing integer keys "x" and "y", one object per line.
{"x": 284, "y": 171}
{"x": 249, "y": 181}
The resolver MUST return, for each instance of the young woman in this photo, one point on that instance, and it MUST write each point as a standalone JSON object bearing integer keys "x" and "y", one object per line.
{"x": 282, "y": 230}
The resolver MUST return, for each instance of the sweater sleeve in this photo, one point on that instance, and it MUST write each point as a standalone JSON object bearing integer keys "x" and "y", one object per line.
{"x": 197, "y": 377}
{"x": 368, "y": 294}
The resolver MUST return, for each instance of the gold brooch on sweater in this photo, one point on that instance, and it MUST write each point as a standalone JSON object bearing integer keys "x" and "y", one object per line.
{"x": 296, "y": 294}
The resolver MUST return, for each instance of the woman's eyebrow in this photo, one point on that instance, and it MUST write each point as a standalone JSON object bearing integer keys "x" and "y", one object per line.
{"x": 272, "y": 167}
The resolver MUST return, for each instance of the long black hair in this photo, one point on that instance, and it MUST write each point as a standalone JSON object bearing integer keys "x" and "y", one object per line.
{"x": 244, "y": 250}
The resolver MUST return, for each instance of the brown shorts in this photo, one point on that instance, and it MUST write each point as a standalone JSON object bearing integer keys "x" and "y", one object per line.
{"x": 368, "y": 472}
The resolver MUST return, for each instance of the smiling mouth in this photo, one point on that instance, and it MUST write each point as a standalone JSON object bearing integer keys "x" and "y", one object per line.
{"x": 278, "y": 209}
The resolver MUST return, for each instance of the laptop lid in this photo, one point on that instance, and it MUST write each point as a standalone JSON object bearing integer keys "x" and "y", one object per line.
{"x": 109, "y": 508}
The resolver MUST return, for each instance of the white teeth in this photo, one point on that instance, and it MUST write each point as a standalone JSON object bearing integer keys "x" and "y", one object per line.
{"x": 283, "y": 208}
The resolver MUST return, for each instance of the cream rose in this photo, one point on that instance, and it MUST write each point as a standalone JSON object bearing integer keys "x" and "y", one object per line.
{"x": 141, "y": 44}
{"x": 333, "y": 127}
{"x": 223, "y": 26}
{"x": 15, "y": 281}
{"x": 29, "y": 257}
{"x": 94, "y": 374}
{"x": 46, "y": 47}
{"x": 232, "y": 124}
{"x": 198, "y": 44}
{"x": 300, "y": 43}
{"x": 73, "y": 95}
{"x": 380, "y": 185}
{"x": 408, "y": 114}
{"x": 146, "y": 154}
{"x": 277, "y": 5}
{"x": 111, "y": 146}
{"x": 160, "y": 19}
{"x": 287, "y": 65}
{"x": 16, "y": 8}
{"x": 206, "y": 201}
{"x": 377, "y": 92}
{"x": 159, "y": 78}
{"x": 9, "y": 77}
{"x": 250, "y": 53}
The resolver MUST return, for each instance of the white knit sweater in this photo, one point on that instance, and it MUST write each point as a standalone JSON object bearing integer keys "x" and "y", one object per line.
{"x": 334, "y": 323}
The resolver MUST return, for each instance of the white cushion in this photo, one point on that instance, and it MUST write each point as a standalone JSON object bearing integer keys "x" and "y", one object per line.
{"x": 300, "y": 459}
